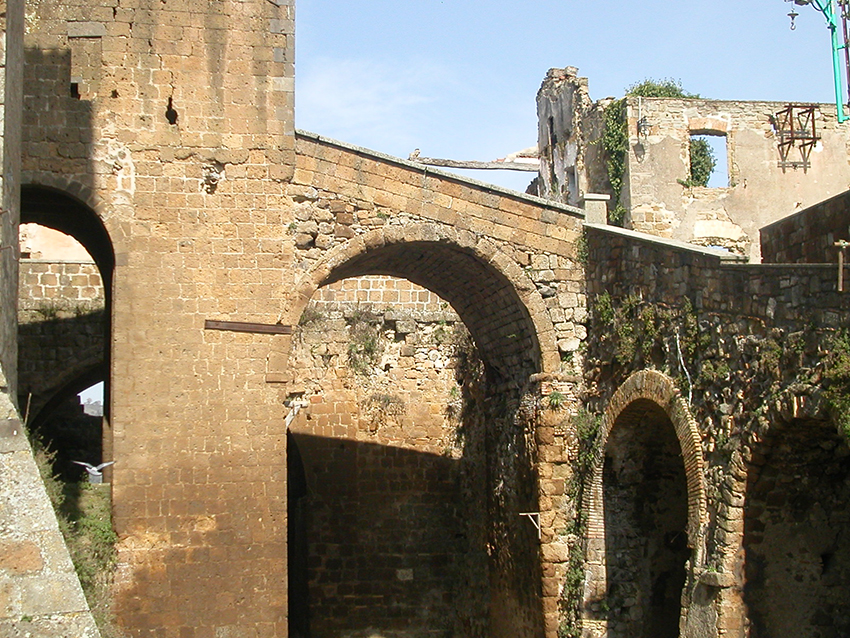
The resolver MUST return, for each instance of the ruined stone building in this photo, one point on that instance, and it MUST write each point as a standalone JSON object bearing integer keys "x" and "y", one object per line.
{"x": 780, "y": 159}
{"x": 347, "y": 395}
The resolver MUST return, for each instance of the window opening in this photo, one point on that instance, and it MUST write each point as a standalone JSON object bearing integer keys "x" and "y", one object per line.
{"x": 709, "y": 166}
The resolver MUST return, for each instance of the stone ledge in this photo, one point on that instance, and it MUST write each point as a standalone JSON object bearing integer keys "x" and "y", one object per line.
{"x": 717, "y": 579}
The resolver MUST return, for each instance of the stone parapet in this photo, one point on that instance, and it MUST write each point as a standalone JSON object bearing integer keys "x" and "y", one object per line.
{"x": 810, "y": 235}
{"x": 40, "y": 594}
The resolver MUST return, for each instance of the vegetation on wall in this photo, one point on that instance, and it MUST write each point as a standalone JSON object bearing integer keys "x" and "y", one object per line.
{"x": 615, "y": 142}
{"x": 364, "y": 346}
{"x": 739, "y": 375}
{"x": 615, "y": 136}
{"x": 667, "y": 87}
{"x": 587, "y": 428}
{"x": 83, "y": 511}
{"x": 703, "y": 162}
{"x": 837, "y": 375}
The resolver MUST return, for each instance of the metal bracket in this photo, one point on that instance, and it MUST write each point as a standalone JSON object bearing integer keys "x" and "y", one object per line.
{"x": 842, "y": 245}
{"x": 534, "y": 517}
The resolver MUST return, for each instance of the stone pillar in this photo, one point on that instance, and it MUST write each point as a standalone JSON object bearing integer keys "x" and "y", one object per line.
{"x": 595, "y": 207}
{"x": 11, "y": 105}
{"x": 556, "y": 441}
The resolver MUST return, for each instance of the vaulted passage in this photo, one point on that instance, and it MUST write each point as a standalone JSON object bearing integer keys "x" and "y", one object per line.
{"x": 797, "y": 533}
{"x": 646, "y": 512}
{"x": 417, "y": 450}
{"x": 64, "y": 327}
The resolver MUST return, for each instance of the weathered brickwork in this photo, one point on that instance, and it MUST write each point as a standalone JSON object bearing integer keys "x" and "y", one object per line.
{"x": 62, "y": 332}
{"x": 175, "y": 155}
{"x": 65, "y": 285}
{"x": 449, "y": 235}
{"x": 382, "y": 455}
{"x": 343, "y": 193}
{"x": 173, "y": 124}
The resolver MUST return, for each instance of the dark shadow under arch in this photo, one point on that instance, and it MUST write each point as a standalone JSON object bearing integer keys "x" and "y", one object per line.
{"x": 646, "y": 519}
{"x": 95, "y": 374}
{"x": 797, "y": 532}
{"x": 61, "y": 211}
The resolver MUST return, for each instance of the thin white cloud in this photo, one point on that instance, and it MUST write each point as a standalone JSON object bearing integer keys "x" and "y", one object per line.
{"x": 366, "y": 102}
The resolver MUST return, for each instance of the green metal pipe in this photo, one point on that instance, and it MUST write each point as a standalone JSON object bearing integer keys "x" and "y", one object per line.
{"x": 827, "y": 8}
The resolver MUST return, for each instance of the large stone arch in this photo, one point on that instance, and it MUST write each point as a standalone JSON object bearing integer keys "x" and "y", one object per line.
{"x": 69, "y": 207}
{"x": 493, "y": 477}
{"x": 74, "y": 210}
{"x": 493, "y": 296}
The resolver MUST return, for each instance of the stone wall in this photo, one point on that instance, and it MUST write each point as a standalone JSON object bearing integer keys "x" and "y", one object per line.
{"x": 750, "y": 352}
{"x": 622, "y": 263}
{"x": 809, "y": 236}
{"x": 65, "y": 284}
{"x": 383, "y": 513}
{"x": 61, "y": 331}
{"x": 11, "y": 108}
{"x": 569, "y": 131}
{"x": 170, "y": 128}
{"x": 40, "y": 594}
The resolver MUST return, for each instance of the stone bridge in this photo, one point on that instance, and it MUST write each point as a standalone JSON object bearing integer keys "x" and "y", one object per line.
{"x": 162, "y": 136}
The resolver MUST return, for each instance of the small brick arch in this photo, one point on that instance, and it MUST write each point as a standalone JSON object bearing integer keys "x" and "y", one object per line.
{"x": 658, "y": 388}
{"x": 493, "y": 295}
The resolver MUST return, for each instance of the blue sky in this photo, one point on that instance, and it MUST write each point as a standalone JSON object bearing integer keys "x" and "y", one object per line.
{"x": 458, "y": 78}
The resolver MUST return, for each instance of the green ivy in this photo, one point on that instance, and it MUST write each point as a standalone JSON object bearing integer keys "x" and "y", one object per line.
{"x": 703, "y": 162}
{"x": 588, "y": 429}
{"x": 660, "y": 88}
{"x": 837, "y": 373}
{"x": 615, "y": 142}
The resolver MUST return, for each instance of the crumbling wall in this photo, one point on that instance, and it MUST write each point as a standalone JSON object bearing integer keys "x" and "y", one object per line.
{"x": 759, "y": 190}
{"x": 763, "y": 186}
{"x": 412, "y": 482}
{"x": 570, "y": 126}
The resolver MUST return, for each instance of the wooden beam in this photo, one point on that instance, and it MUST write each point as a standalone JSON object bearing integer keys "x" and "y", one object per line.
{"x": 241, "y": 326}
{"x": 492, "y": 166}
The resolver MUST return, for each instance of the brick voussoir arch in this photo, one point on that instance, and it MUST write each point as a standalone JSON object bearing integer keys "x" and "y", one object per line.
{"x": 336, "y": 263}
{"x": 654, "y": 386}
